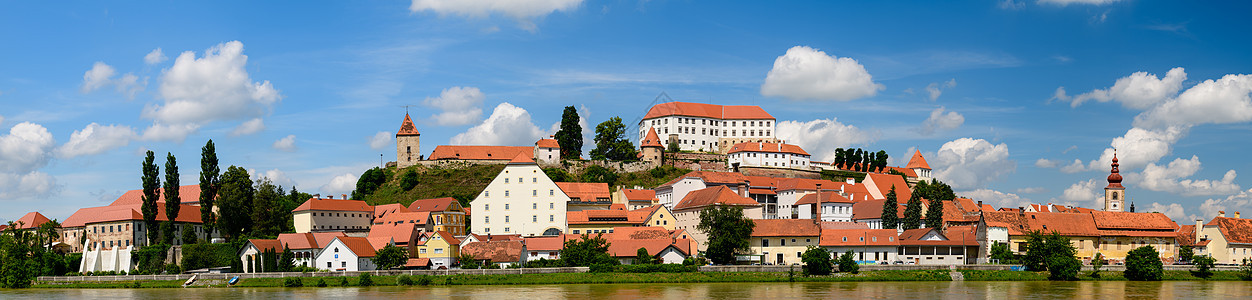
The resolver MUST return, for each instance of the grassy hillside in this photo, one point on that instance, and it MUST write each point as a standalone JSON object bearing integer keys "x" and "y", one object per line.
{"x": 464, "y": 183}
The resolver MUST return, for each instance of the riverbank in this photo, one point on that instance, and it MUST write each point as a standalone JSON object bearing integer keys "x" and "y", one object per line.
{"x": 607, "y": 278}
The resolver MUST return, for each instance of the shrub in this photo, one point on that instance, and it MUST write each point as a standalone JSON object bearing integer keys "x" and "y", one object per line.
{"x": 423, "y": 280}
{"x": 404, "y": 280}
{"x": 365, "y": 280}
{"x": 816, "y": 261}
{"x": 1063, "y": 268}
{"x": 602, "y": 268}
{"x": 848, "y": 264}
{"x": 1144, "y": 264}
{"x": 343, "y": 281}
{"x": 1096, "y": 263}
{"x": 409, "y": 180}
{"x": 695, "y": 261}
{"x": 293, "y": 282}
{"x": 654, "y": 268}
{"x": 1204, "y": 266}
{"x": 1245, "y": 269}
{"x": 321, "y": 282}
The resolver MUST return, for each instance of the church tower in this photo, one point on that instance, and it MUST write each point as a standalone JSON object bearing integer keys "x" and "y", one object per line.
{"x": 1114, "y": 193}
{"x": 408, "y": 146}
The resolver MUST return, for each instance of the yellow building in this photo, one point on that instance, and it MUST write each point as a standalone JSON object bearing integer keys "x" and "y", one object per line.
{"x": 440, "y": 247}
{"x": 603, "y": 221}
{"x": 446, "y": 214}
{"x": 1229, "y": 240}
{"x": 783, "y": 241}
{"x": 1112, "y": 234}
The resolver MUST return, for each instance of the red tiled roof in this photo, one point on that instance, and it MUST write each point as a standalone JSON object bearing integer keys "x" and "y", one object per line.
{"x": 262, "y": 245}
{"x": 447, "y": 237}
{"x": 378, "y": 242}
{"x": 545, "y": 243}
{"x": 547, "y": 143}
{"x": 494, "y": 251}
{"x": 186, "y": 194}
{"x": 917, "y": 161}
{"x": 1067, "y": 224}
{"x": 382, "y": 210}
{"x": 400, "y": 233}
{"x": 651, "y": 140}
{"x": 761, "y": 192}
{"x": 719, "y": 195}
{"x": 853, "y": 237}
{"x": 639, "y": 195}
{"x": 522, "y": 158}
{"x": 1236, "y": 230}
{"x": 407, "y": 127}
{"x": 729, "y": 178}
{"x": 608, "y": 216}
{"x": 33, "y": 220}
{"x": 767, "y": 147}
{"x": 872, "y": 209}
{"x": 334, "y": 205}
{"x": 1108, "y": 220}
{"x": 91, "y": 215}
{"x": 417, "y": 262}
{"x": 827, "y": 197}
{"x": 323, "y": 238}
{"x": 955, "y": 211}
{"x": 964, "y": 237}
{"x": 786, "y": 227}
{"x": 418, "y": 218}
{"x": 639, "y": 233}
{"x": 844, "y": 225}
{"x": 358, "y": 245}
{"x": 433, "y": 205}
{"x": 884, "y": 182}
{"x": 480, "y": 152}
{"x": 1186, "y": 235}
{"x": 711, "y": 111}
{"x": 630, "y": 248}
{"x": 585, "y": 191}
{"x": 497, "y": 237}
{"x": 298, "y": 241}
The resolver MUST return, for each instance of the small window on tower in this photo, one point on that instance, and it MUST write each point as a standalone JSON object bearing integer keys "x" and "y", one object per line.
{"x": 1114, "y": 195}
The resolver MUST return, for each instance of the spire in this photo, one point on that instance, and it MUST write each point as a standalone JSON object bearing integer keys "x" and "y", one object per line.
{"x": 651, "y": 140}
{"x": 1115, "y": 179}
{"x": 407, "y": 127}
{"x": 917, "y": 162}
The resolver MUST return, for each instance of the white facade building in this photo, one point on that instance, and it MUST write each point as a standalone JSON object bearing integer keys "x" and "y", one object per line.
{"x": 347, "y": 254}
{"x": 520, "y": 200}
{"x": 834, "y": 207}
{"x": 708, "y": 127}
{"x": 770, "y": 155}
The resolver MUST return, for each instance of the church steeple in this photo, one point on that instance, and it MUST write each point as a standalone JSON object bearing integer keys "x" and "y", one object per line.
{"x": 408, "y": 143}
{"x": 1115, "y": 193}
{"x": 1115, "y": 178}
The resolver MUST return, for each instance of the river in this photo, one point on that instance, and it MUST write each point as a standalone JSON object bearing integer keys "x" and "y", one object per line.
{"x": 853, "y": 290}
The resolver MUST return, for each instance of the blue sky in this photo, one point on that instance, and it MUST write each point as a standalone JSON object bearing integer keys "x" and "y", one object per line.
{"x": 1011, "y": 101}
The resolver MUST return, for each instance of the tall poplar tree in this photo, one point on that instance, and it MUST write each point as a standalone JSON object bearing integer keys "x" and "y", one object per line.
{"x": 890, "y": 216}
{"x": 172, "y": 199}
{"x": 151, "y": 192}
{"x": 934, "y": 214}
{"x": 570, "y": 136}
{"x": 208, "y": 186}
{"x": 912, "y": 214}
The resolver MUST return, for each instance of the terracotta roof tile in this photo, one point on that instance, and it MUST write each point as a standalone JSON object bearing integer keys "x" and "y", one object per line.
{"x": 90, "y": 215}
{"x": 651, "y": 140}
{"x": 853, "y": 237}
{"x": 400, "y": 233}
{"x": 522, "y": 159}
{"x": 479, "y": 152}
{"x": 298, "y": 241}
{"x": 417, "y": 262}
{"x": 547, "y": 143}
{"x": 407, "y": 128}
{"x": 1108, "y": 220}
{"x": 1067, "y": 224}
{"x": 725, "y": 178}
{"x": 719, "y": 195}
{"x": 358, "y": 245}
{"x": 954, "y": 211}
{"x": 378, "y": 242}
{"x": 826, "y": 197}
{"x": 33, "y": 220}
{"x": 1236, "y": 230}
{"x": 872, "y": 209}
{"x": 1186, "y": 235}
{"x": 917, "y": 161}
{"x": 787, "y": 184}
{"x": 585, "y": 191}
{"x": 767, "y": 148}
{"x": 186, "y": 194}
{"x": 639, "y": 233}
{"x": 334, "y": 205}
{"x": 884, "y": 182}
{"x": 383, "y": 210}
{"x": 494, "y": 251}
{"x": 630, "y": 248}
{"x": 545, "y": 243}
{"x": 433, "y": 205}
{"x": 964, "y": 237}
{"x": 263, "y": 245}
{"x": 639, "y": 195}
{"x": 786, "y": 227}
{"x": 323, "y": 239}
{"x": 712, "y": 111}
{"x": 843, "y": 225}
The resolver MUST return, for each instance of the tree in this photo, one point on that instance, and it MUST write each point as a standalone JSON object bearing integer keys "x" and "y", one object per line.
{"x": 816, "y": 261}
{"x": 912, "y": 214}
{"x": 934, "y": 214}
{"x": 838, "y": 162}
{"x": 611, "y": 142}
{"x": 16, "y": 265}
{"x": 1245, "y": 269}
{"x": 409, "y": 180}
{"x": 368, "y": 183}
{"x": 558, "y": 175}
{"x": 172, "y": 201}
{"x": 673, "y": 147}
{"x": 1204, "y": 266}
{"x": 597, "y": 173}
{"x": 467, "y": 261}
{"x": 586, "y": 251}
{"x": 151, "y": 192}
{"x": 729, "y": 231}
{"x": 1143, "y": 264}
{"x": 1063, "y": 268}
{"x": 189, "y": 234}
{"x": 570, "y": 136}
{"x": 881, "y": 162}
{"x": 890, "y": 217}
{"x": 267, "y": 213}
{"x": 208, "y": 186}
{"x": 286, "y": 260}
{"x": 1000, "y": 252}
{"x": 1185, "y": 253}
{"x": 1042, "y": 248}
{"x": 643, "y": 258}
{"x": 235, "y": 202}
{"x": 389, "y": 257}
{"x": 848, "y": 264}
{"x": 1097, "y": 262}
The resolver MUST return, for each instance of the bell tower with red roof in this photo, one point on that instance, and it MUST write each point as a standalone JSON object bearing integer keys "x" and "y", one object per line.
{"x": 1114, "y": 193}
{"x": 408, "y": 144}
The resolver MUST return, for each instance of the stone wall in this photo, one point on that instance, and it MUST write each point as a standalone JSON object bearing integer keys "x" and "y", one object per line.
{"x": 697, "y": 161}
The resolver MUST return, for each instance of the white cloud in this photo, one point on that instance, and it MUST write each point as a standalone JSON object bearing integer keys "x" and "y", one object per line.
{"x": 381, "y": 140}
{"x": 820, "y": 137}
{"x": 1221, "y": 101}
{"x": 1172, "y": 210}
{"x": 26, "y": 148}
{"x": 1084, "y": 194}
{"x": 1241, "y": 202}
{"x": 1, "y": 119}
{"x": 130, "y": 85}
{"x": 1139, "y": 147}
{"x": 1045, "y": 163}
{"x": 287, "y": 143}
{"x": 100, "y": 75}
{"x": 173, "y": 133}
{"x": 342, "y": 184}
{"x": 1032, "y": 190}
{"x": 939, "y": 120}
{"x": 971, "y": 163}
{"x": 25, "y": 186}
{"x": 460, "y": 106}
{"x": 1140, "y": 90}
{"x": 996, "y": 198}
{"x": 508, "y": 125}
{"x": 524, "y": 11}
{"x": 934, "y": 89}
{"x": 807, "y": 73}
{"x": 96, "y": 139}
{"x": 1068, "y": 2}
{"x": 1011, "y": 5}
{"x": 277, "y": 177}
{"x": 249, "y": 127}
{"x": 215, "y": 87}
{"x": 1171, "y": 178}
{"x": 155, "y": 57}
{"x": 1075, "y": 167}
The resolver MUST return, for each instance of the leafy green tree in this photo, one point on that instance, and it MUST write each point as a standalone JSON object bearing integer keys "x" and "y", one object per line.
{"x": 235, "y": 202}
{"x": 16, "y": 266}
{"x": 729, "y": 232}
{"x": 189, "y": 234}
{"x": 848, "y": 264}
{"x": 1204, "y": 266}
{"x": 596, "y": 173}
{"x": 1041, "y": 248}
{"x": 1144, "y": 264}
{"x": 587, "y": 251}
{"x": 1097, "y": 262}
{"x": 208, "y": 186}
{"x": 839, "y": 158}
{"x": 922, "y": 189}
{"x": 934, "y": 214}
{"x": 558, "y": 175}
{"x": 881, "y": 160}
{"x": 268, "y": 218}
{"x": 912, "y": 214}
{"x": 467, "y": 261}
{"x": 570, "y": 136}
{"x": 942, "y": 191}
{"x": 368, "y": 183}
{"x": 151, "y": 192}
{"x": 643, "y": 258}
{"x": 1185, "y": 253}
{"x": 890, "y": 216}
{"x": 389, "y": 257}
{"x": 172, "y": 200}
{"x": 409, "y": 180}
{"x": 1063, "y": 268}
{"x": 611, "y": 142}
{"x": 816, "y": 261}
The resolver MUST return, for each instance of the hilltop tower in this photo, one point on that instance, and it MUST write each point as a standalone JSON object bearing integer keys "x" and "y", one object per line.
{"x": 1114, "y": 193}
{"x": 650, "y": 149}
{"x": 408, "y": 144}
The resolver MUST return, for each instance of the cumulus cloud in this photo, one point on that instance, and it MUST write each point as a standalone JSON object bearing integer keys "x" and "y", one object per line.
{"x": 26, "y": 148}
{"x": 381, "y": 140}
{"x": 277, "y": 177}
{"x": 96, "y": 139}
{"x": 214, "y": 87}
{"x": 1140, "y": 90}
{"x": 807, "y": 73}
{"x": 173, "y": 133}
{"x": 1011, "y": 5}
{"x": 940, "y": 119}
{"x": 287, "y": 143}
{"x": 460, "y": 106}
{"x": 155, "y": 57}
{"x": 249, "y": 127}
{"x": 996, "y": 198}
{"x": 1045, "y": 163}
{"x": 1172, "y": 210}
{"x": 1068, "y": 2}
{"x": 1238, "y": 202}
{"x": 507, "y": 125}
{"x": 101, "y": 75}
{"x": 935, "y": 89}
{"x": 1084, "y": 194}
{"x": 1221, "y": 101}
{"x": 821, "y": 137}
{"x": 526, "y": 12}
{"x": 1075, "y": 167}
{"x": 971, "y": 163}
{"x": 342, "y": 184}
{"x": 1032, "y": 190}
{"x": 1135, "y": 149}
{"x": 1172, "y": 178}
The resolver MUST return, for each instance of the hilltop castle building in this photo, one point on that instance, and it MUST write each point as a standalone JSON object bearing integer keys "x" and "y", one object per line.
{"x": 708, "y": 127}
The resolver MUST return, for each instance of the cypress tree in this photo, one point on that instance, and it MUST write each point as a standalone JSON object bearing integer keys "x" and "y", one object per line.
{"x": 934, "y": 214}
{"x": 151, "y": 191}
{"x": 570, "y": 136}
{"x": 912, "y": 214}
{"x": 890, "y": 216}
{"x": 208, "y": 187}
{"x": 172, "y": 200}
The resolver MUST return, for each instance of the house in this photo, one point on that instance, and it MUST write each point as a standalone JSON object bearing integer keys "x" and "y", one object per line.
{"x": 120, "y": 224}
{"x": 783, "y": 241}
{"x": 675, "y": 190}
{"x": 545, "y": 247}
{"x": 1013, "y": 227}
{"x": 708, "y": 127}
{"x": 961, "y": 212}
{"x": 446, "y": 214}
{"x": 790, "y": 190}
{"x": 347, "y": 254}
{"x": 868, "y": 246}
{"x": 668, "y": 251}
{"x": 604, "y": 221}
{"x": 767, "y": 155}
{"x": 547, "y": 151}
{"x": 318, "y": 214}
{"x": 833, "y": 207}
{"x": 919, "y": 166}
{"x": 403, "y": 234}
{"x": 687, "y": 212}
{"x": 305, "y": 246}
{"x": 586, "y": 195}
{"x": 635, "y": 199}
{"x": 440, "y": 247}
{"x": 520, "y": 200}
{"x": 504, "y": 253}
{"x": 930, "y": 246}
{"x": 251, "y": 255}
{"x": 1228, "y": 240}
{"x": 869, "y": 212}
{"x": 471, "y": 238}
{"x": 1134, "y": 230}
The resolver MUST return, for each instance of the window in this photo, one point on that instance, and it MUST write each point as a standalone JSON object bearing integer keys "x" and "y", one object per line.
{"x": 343, "y": 264}
{"x": 551, "y": 205}
{"x": 486, "y": 219}
{"x": 551, "y": 192}
{"x": 506, "y": 180}
{"x": 764, "y": 242}
{"x": 534, "y": 206}
{"x": 486, "y": 206}
{"x": 328, "y": 265}
{"x": 536, "y": 179}
{"x": 486, "y": 194}
{"x": 575, "y": 231}
{"x": 506, "y": 220}
{"x": 551, "y": 218}
{"x": 519, "y": 180}
{"x": 506, "y": 205}
{"x": 438, "y": 250}
{"x": 534, "y": 193}
{"x": 534, "y": 218}
{"x": 782, "y": 242}
{"x": 506, "y": 229}
{"x": 422, "y": 250}
{"x": 506, "y": 194}
{"x": 793, "y": 240}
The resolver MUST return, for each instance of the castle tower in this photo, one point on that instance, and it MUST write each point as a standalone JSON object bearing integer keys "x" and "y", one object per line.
{"x": 650, "y": 148}
{"x": 919, "y": 166}
{"x": 408, "y": 145}
{"x": 1114, "y": 193}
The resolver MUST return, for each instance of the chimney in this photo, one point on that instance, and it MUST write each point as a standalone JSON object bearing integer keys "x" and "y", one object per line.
{"x": 817, "y": 209}
{"x": 1021, "y": 211}
{"x": 331, "y": 197}
{"x": 317, "y": 196}
{"x": 1221, "y": 214}
{"x": 1236, "y": 215}
{"x": 850, "y": 180}
{"x": 979, "y": 205}
{"x": 345, "y": 196}
{"x": 1199, "y": 224}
